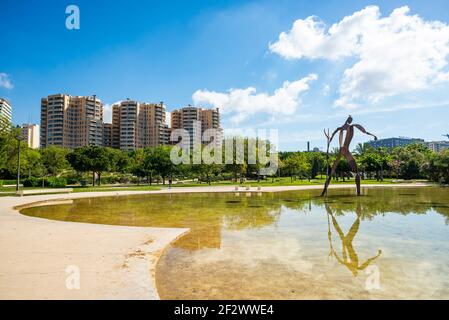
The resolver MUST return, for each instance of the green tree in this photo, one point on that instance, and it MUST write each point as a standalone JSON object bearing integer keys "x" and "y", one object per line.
{"x": 137, "y": 165}
{"x": 157, "y": 160}
{"x": 410, "y": 161}
{"x": 35, "y": 167}
{"x": 297, "y": 165}
{"x": 54, "y": 160}
{"x": 439, "y": 166}
{"x": 92, "y": 158}
{"x": 121, "y": 161}
{"x": 317, "y": 163}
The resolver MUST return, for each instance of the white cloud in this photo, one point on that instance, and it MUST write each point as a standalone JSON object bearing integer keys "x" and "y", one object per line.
{"x": 394, "y": 55}
{"x": 168, "y": 118}
{"x": 5, "y": 81}
{"x": 243, "y": 103}
{"x": 107, "y": 111}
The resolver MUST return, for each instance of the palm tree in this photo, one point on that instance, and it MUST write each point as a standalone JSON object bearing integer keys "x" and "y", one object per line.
{"x": 361, "y": 149}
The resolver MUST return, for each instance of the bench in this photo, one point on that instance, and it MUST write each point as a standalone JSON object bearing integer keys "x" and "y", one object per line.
{"x": 22, "y": 193}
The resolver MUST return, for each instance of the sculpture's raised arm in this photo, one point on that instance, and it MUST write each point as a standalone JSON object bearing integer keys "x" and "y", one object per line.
{"x": 364, "y": 131}
{"x": 334, "y": 133}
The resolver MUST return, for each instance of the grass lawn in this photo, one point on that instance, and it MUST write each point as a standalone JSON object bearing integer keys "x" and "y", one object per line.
{"x": 121, "y": 188}
{"x": 285, "y": 181}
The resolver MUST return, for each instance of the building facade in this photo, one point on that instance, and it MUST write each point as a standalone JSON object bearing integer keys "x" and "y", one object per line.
{"x": 5, "y": 111}
{"x": 31, "y": 134}
{"x": 71, "y": 121}
{"x": 138, "y": 125}
{"x": 394, "y": 142}
{"x": 196, "y": 121}
{"x": 107, "y": 134}
{"x": 437, "y": 146}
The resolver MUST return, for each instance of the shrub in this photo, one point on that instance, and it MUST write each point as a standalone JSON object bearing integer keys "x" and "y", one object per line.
{"x": 72, "y": 181}
{"x": 55, "y": 182}
{"x": 110, "y": 180}
{"x": 124, "y": 180}
{"x": 31, "y": 182}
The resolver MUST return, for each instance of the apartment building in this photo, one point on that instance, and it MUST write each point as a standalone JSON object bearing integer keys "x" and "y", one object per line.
{"x": 71, "y": 121}
{"x": 196, "y": 121}
{"x": 138, "y": 125}
{"x": 30, "y": 134}
{"x": 437, "y": 146}
{"x": 107, "y": 134}
{"x": 5, "y": 110}
{"x": 394, "y": 142}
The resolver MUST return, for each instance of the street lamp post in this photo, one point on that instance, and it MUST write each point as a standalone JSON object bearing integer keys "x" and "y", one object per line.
{"x": 18, "y": 159}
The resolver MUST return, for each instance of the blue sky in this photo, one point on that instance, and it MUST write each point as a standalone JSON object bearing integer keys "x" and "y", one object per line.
{"x": 195, "y": 52}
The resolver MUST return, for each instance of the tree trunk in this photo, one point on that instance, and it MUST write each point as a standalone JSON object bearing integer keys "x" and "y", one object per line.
{"x": 99, "y": 178}
{"x": 93, "y": 179}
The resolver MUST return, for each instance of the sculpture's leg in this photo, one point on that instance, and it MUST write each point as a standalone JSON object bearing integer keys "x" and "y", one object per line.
{"x": 357, "y": 183}
{"x": 328, "y": 180}
{"x": 354, "y": 169}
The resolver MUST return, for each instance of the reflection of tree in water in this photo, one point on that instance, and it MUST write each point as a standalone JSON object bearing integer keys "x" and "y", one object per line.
{"x": 349, "y": 257}
{"x": 381, "y": 201}
{"x": 235, "y": 213}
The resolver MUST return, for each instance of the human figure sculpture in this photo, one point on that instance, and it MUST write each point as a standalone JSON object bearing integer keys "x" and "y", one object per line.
{"x": 345, "y": 141}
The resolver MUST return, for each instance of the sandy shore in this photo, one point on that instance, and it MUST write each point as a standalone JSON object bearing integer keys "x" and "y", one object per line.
{"x": 40, "y": 257}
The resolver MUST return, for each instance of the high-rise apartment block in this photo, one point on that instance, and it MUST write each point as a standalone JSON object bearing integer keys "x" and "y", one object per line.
{"x": 5, "y": 111}
{"x": 77, "y": 121}
{"x": 30, "y": 134}
{"x": 196, "y": 121}
{"x": 138, "y": 125}
{"x": 107, "y": 134}
{"x": 437, "y": 146}
{"x": 71, "y": 122}
{"x": 394, "y": 142}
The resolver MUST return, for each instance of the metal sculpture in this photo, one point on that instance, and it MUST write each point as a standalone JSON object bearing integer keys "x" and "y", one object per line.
{"x": 345, "y": 142}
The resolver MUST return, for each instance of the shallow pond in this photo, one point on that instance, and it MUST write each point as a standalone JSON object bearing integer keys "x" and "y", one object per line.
{"x": 389, "y": 243}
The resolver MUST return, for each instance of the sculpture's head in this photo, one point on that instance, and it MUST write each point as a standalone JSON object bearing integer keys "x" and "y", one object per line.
{"x": 349, "y": 120}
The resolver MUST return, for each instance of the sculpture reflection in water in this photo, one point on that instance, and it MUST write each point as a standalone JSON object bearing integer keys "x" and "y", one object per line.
{"x": 349, "y": 257}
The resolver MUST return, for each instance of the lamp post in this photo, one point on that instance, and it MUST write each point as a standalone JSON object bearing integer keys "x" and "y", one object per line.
{"x": 18, "y": 158}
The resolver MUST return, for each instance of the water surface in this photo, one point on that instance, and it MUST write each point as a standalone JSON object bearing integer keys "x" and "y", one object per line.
{"x": 388, "y": 243}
